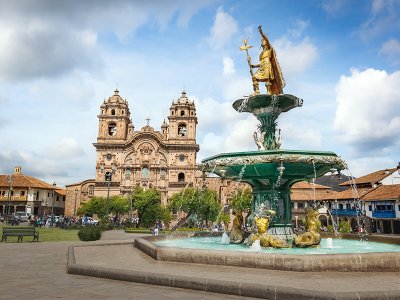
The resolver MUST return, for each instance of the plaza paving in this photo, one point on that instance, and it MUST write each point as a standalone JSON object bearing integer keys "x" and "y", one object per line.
{"x": 38, "y": 270}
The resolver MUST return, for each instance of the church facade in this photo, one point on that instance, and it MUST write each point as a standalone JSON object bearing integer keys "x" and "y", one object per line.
{"x": 125, "y": 157}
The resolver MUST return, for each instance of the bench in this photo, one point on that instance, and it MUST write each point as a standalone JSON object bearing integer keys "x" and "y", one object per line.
{"x": 20, "y": 232}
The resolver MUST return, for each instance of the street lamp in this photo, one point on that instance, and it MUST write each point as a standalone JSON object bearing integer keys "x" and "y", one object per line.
{"x": 76, "y": 192}
{"x": 108, "y": 177}
{"x": 9, "y": 179}
{"x": 54, "y": 196}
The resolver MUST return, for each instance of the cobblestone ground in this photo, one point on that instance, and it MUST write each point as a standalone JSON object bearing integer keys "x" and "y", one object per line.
{"x": 38, "y": 271}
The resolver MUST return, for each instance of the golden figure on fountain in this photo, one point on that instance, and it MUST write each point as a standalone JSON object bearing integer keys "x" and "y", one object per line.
{"x": 311, "y": 237}
{"x": 266, "y": 240}
{"x": 268, "y": 68}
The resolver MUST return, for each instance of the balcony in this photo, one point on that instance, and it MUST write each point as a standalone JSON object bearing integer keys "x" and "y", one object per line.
{"x": 344, "y": 212}
{"x": 14, "y": 198}
{"x": 179, "y": 184}
{"x": 384, "y": 214}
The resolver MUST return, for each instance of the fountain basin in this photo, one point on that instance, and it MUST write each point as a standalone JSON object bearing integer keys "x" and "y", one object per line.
{"x": 354, "y": 262}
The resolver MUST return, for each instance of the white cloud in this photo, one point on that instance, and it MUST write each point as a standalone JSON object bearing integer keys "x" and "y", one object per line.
{"x": 298, "y": 30}
{"x": 300, "y": 137}
{"x": 229, "y": 66}
{"x": 368, "y": 110}
{"x": 391, "y": 48}
{"x": 295, "y": 58}
{"x": 65, "y": 149}
{"x": 240, "y": 135}
{"x": 333, "y": 7}
{"x": 223, "y": 29}
{"x": 384, "y": 18}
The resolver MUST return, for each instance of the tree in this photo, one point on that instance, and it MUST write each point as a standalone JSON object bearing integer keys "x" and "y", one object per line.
{"x": 119, "y": 204}
{"x": 202, "y": 203}
{"x": 242, "y": 201}
{"x": 96, "y": 205}
{"x": 147, "y": 203}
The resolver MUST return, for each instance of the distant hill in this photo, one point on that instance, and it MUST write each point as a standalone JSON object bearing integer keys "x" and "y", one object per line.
{"x": 333, "y": 182}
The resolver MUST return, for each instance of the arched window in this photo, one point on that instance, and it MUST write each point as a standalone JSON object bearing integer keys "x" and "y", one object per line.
{"x": 122, "y": 111}
{"x": 113, "y": 112}
{"x": 112, "y": 129}
{"x": 182, "y": 112}
{"x": 181, "y": 177}
{"x": 182, "y": 130}
{"x": 162, "y": 174}
{"x": 91, "y": 190}
{"x": 145, "y": 172}
{"x": 127, "y": 174}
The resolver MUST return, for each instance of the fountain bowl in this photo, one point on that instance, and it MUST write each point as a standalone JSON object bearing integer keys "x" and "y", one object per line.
{"x": 355, "y": 262}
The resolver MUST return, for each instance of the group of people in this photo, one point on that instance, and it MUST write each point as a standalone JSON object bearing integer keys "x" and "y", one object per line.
{"x": 158, "y": 227}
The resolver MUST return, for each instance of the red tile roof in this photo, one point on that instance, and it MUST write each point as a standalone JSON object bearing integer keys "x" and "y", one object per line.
{"x": 304, "y": 191}
{"x": 306, "y": 185}
{"x": 372, "y": 177}
{"x": 21, "y": 181}
{"x": 383, "y": 192}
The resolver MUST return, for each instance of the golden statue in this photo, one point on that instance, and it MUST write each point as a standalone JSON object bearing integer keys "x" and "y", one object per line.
{"x": 236, "y": 233}
{"x": 311, "y": 237}
{"x": 269, "y": 70}
{"x": 266, "y": 240}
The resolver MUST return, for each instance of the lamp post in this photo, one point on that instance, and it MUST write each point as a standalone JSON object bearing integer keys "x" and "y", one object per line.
{"x": 108, "y": 179}
{"x": 54, "y": 196}
{"x": 76, "y": 192}
{"x": 9, "y": 179}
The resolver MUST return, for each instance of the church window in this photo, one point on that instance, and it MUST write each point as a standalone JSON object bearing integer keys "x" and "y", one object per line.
{"x": 172, "y": 112}
{"x": 145, "y": 172}
{"x": 91, "y": 190}
{"x": 162, "y": 173}
{"x": 182, "y": 112}
{"x": 113, "y": 112}
{"x": 191, "y": 113}
{"x": 112, "y": 129}
{"x": 127, "y": 174}
{"x": 122, "y": 111}
{"x": 182, "y": 130}
{"x": 181, "y": 177}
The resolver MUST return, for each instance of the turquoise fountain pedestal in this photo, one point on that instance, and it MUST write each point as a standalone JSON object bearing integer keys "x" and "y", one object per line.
{"x": 272, "y": 172}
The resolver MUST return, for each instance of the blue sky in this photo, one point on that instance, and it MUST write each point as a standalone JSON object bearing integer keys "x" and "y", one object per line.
{"x": 60, "y": 59}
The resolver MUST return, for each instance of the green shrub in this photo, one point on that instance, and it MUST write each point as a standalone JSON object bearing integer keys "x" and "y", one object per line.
{"x": 330, "y": 228}
{"x": 344, "y": 227}
{"x": 105, "y": 224}
{"x": 89, "y": 233}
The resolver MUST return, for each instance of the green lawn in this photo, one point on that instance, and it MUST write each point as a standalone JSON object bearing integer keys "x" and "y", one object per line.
{"x": 49, "y": 235}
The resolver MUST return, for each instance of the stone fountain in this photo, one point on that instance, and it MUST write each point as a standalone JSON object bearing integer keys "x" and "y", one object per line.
{"x": 272, "y": 171}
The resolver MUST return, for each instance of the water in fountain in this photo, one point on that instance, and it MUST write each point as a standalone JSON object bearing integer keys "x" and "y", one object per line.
{"x": 243, "y": 105}
{"x": 329, "y": 243}
{"x": 256, "y": 246}
{"x": 225, "y": 239}
{"x": 334, "y": 223}
{"x": 357, "y": 205}
{"x": 313, "y": 183}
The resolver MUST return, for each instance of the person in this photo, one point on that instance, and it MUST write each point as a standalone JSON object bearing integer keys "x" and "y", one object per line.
{"x": 156, "y": 230}
{"x": 269, "y": 70}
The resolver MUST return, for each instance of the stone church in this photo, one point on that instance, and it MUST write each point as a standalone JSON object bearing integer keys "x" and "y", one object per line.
{"x": 125, "y": 157}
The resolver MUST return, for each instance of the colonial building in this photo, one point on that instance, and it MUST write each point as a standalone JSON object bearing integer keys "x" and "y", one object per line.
{"x": 19, "y": 192}
{"x": 125, "y": 157}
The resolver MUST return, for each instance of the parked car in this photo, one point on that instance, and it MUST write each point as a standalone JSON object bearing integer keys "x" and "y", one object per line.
{"x": 89, "y": 221}
{"x": 22, "y": 216}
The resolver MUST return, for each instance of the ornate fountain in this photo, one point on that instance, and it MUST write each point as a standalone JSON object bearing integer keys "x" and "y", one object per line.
{"x": 272, "y": 171}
